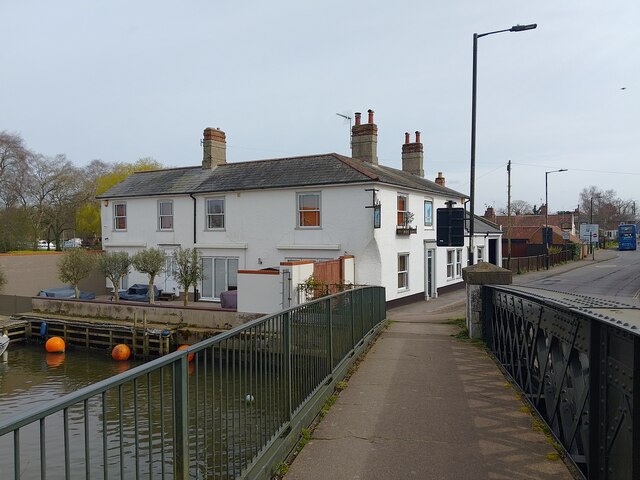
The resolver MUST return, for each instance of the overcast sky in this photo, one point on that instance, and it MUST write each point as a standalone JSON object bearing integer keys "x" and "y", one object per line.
{"x": 118, "y": 80}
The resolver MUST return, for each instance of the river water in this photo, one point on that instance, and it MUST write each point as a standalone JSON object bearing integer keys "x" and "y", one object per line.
{"x": 139, "y": 426}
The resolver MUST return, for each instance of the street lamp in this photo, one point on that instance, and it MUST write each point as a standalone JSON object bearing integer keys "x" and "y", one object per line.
{"x": 546, "y": 209}
{"x": 472, "y": 183}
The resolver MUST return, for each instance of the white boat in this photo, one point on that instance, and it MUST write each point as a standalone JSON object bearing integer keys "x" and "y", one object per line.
{"x": 4, "y": 343}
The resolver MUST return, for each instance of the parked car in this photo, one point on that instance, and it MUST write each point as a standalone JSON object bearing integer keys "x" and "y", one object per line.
{"x": 42, "y": 245}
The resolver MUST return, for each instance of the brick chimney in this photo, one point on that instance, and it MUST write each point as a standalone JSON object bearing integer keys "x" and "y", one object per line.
{"x": 413, "y": 155}
{"x": 440, "y": 179}
{"x": 364, "y": 140}
{"x": 214, "y": 148}
{"x": 490, "y": 214}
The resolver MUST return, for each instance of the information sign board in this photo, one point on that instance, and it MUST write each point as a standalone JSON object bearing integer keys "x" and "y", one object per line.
{"x": 589, "y": 233}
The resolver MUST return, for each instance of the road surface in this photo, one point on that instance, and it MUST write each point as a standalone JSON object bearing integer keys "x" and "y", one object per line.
{"x": 617, "y": 279}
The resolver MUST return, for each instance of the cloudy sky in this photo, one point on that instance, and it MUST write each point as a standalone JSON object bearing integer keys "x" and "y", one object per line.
{"x": 118, "y": 80}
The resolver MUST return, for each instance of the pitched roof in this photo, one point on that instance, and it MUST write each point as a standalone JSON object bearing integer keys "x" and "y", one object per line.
{"x": 482, "y": 225}
{"x": 324, "y": 169}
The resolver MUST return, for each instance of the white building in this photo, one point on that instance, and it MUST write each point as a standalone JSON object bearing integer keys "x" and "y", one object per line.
{"x": 253, "y": 215}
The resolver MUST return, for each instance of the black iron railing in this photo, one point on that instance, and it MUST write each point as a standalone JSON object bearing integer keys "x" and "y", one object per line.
{"x": 577, "y": 360}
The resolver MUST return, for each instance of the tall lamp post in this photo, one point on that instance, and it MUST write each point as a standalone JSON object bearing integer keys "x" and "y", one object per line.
{"x": 472, "y": 183}
{"x": 546, "y": 209}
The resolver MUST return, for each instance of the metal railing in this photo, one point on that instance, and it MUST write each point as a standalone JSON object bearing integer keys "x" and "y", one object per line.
{"x": 228, "y": 407}
{"x": 577, "y": 361}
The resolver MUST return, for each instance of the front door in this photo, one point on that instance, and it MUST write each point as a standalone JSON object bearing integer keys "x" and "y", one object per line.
{"x": 219, "y": 275}
{"x": 430, "y": 270}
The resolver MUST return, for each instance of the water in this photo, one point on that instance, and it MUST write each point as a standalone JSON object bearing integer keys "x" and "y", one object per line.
{"x": 29, "y": 376}
{"x": 132, "y": 426}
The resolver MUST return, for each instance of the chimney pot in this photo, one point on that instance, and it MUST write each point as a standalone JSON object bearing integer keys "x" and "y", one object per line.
{"x": 440, "y": 179}
{"x": 413, "y": 156}
{"x": 364, "y": 140}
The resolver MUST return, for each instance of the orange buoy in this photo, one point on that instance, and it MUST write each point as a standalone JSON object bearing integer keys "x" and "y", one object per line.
{"x": 121, "y": 352}
{"x": 55, "y": 345}
{"x": 191, "y": 355}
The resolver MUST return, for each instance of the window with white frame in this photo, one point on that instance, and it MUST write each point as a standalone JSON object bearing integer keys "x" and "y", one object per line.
{"x": 454, "y": 263}
{"x": 215, "y": 213}
{"x": 458, "y": 262}
{"x": 480, "y": 254}
{"x": 403, "y": 271}
{"x": 428, "y": 213}
{"x": 451, "y": 256}
{"x": 165, "y": 215}
{"x": 403, "y": 210}
{"x": 309, "y": 210}
{"x": 120, "y": 216}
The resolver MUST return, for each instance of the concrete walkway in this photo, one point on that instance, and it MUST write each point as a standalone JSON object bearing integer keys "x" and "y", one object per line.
{"x": 425, "y": 405}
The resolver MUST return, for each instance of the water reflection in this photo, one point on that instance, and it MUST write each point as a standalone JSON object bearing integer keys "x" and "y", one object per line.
{"x": 224, "y": 429}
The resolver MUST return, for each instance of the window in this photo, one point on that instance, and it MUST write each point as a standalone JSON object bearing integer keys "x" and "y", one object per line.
{"x": 119, "y": 216}
{"x": 308, "y": 210}
{"x": 480, "y": 254}
{"x": 403, "y": 212}
{"x": 219, "y": 274}
{"x": 165, "y": 215}
{"x": 215, "y": 213}
{"x": 450, "y": 263}
{"x": 403, "y": 271}
{"x": 454, "y": 263}
{"x": 428, "y": 213}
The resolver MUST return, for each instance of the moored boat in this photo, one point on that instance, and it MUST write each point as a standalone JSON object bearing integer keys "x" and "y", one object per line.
{"x": 4, "y": 343}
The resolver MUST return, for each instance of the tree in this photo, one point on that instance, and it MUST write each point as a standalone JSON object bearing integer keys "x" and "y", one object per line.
{"x": 518, "y": 207}
{"x": 608, "y": 210}
{"x": 188, "y": 270}
{"x": 152, "y": 262}
{"x": 98, "y": 178}
{"x": 115, "y": 265}
{"x": 75, "y": 265}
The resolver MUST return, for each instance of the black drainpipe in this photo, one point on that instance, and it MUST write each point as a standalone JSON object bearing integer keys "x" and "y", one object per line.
{"x": 194, "y": 218}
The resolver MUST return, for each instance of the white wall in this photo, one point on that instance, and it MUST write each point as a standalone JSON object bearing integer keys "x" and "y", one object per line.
{"x": 259, "y": 291}
{"x": 260, "y": 230}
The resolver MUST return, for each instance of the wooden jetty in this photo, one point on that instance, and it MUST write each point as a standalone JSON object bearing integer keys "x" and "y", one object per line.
{"x": 143, "y": 339}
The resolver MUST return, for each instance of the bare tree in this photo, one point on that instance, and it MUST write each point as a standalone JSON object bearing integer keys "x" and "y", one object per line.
{"x": 608, "y": 210}
{"x": 518, "y": 207}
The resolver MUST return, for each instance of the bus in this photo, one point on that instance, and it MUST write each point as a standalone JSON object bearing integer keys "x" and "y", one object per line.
{"x": 627, "y": 236}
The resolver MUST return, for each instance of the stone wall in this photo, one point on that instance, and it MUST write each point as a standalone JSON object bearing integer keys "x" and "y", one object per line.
{"x": 156, "y": 314}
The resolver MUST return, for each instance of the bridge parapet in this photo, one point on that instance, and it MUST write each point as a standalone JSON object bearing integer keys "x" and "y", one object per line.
{"x": 577, "y": 360}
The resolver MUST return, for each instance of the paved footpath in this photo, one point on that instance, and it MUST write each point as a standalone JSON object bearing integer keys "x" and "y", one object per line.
{"x": 425, "y": 405}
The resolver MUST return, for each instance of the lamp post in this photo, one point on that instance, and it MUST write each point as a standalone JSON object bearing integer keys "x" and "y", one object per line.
{"x": 472, "y": 183}
{"x": 546, "y": 209}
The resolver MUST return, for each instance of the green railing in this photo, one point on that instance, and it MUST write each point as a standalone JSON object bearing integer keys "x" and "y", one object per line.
{"x": 228, "y": 407}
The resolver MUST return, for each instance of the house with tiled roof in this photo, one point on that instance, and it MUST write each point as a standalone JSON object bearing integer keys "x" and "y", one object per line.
{"x": 254, "y": 215}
